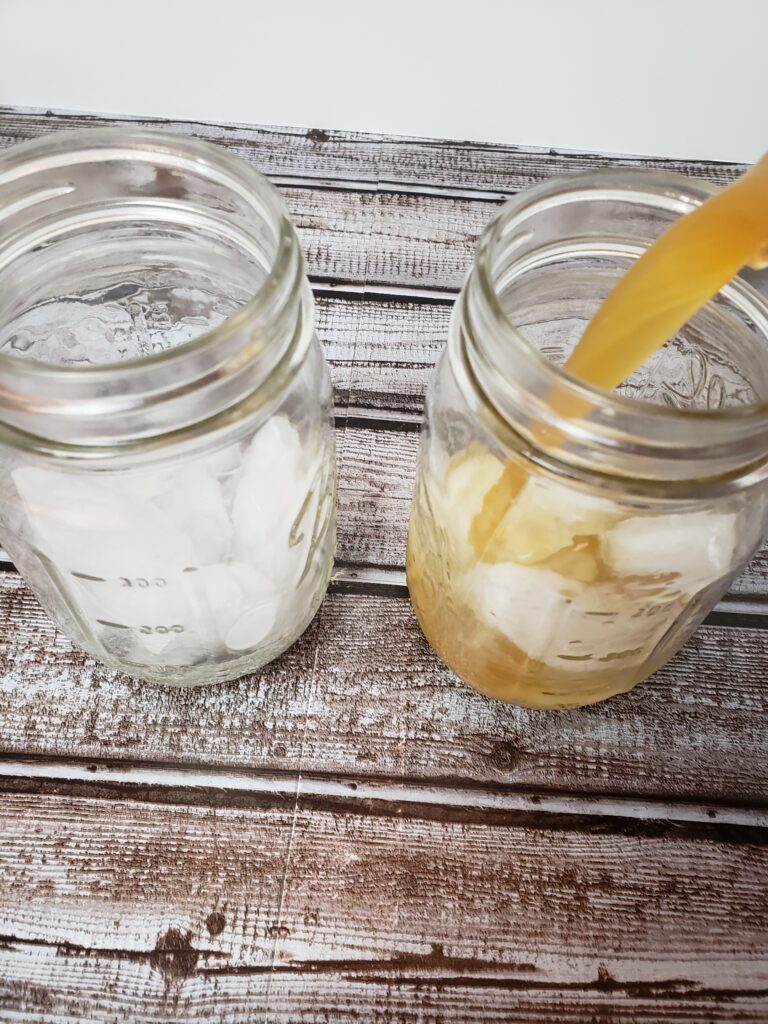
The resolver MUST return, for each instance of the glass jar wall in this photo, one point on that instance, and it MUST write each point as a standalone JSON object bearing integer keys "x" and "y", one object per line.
{"x": 565, "y": 541}
{"x": 166, "y": 445}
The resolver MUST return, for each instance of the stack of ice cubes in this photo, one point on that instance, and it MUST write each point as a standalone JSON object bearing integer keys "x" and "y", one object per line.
{"x": 189, "y": 563}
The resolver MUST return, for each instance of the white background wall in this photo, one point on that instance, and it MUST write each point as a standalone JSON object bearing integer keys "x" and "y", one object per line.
{"x": 665, "y": 77}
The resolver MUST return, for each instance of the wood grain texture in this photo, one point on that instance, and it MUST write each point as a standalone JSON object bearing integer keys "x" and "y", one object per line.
{"x": 381, "y": 352}
{"x": 362, "y": 696}
{"x": 368, "y": 158}
{"x": 352, "y": 834}
{"x": 220, "y": 913}
{"x": 387, "y": 240}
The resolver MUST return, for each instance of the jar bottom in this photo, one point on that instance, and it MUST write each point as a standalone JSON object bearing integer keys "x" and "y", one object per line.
{"x": 212, "y": 673}
{"x": 490, "y": 662}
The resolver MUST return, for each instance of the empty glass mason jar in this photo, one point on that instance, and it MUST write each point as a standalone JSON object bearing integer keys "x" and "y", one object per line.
{"x": 166, "y": 447}
{"x": 638, "y": 508}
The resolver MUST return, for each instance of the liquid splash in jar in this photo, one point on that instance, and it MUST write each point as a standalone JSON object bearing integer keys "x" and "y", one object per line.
{"x": 548, "y": 593}
{"x": 572, "y": 595}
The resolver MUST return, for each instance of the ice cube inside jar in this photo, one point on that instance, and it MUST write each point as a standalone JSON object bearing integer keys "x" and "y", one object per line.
{"x": 195, "y": 562}
{"x": 571, "y": 579}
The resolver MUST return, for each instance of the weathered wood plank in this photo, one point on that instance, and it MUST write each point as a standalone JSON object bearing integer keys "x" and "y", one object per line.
{"x": 363, "y": 696}
{"x": 369, "y": 158}
{"x": 376, "y": 473}
{"x": 398, "y": 240}
{"x": 381, "y": 352}
{"x": 369, "y": 236}
{"x": 59, "y": 986}
{"x": 382, "y": 331}
{"x": 126, "y": 909}
{"x": 189, "y": 784}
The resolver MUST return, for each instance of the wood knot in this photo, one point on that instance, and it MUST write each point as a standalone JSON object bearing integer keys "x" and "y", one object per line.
{"x": 506, "y": 757}
{"x": 215, "y": 923}
{"x": 173, "y": 955}
{"x": 604, "y": 979}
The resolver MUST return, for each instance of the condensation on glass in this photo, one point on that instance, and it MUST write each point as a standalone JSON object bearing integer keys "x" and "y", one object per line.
{"x": 639, "y": 507}
{"x": 167, "y": 466}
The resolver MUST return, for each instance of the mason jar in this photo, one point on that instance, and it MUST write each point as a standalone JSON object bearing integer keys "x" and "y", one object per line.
{"x": 166, "y": 445}
{"x": 565, "y": 541}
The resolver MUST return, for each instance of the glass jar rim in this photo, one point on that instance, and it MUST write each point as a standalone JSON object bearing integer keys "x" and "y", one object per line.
{"x": 739, "y": 434}
{"x": 245, "y": 361}
{"x": 626, "y": 182}
{"x": 92, "y": 144}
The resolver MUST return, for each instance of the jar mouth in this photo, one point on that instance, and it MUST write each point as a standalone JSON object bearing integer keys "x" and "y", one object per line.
{"x": 254, "y": 334}
{"x": 509, "y": 370}
{"x": 86, "y": 145}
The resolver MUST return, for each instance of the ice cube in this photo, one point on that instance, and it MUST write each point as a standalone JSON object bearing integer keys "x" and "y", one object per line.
{"x": 584, "y": 512}
{"x": 252, "y": 627}
{"x": 223, "y": 461}
{"x": 194, "y": 501}
{"x": 243, "y": 603}
{"x": 696, "y": 546}
{"x": 566, "y": 625}
{"x": 457, "y": 497}
{"x": 272, "y": 491}
{"x": 87, "y": 526}
{"x": 541, "y": 520}
{"x": 526, "y": 604}
{"x": 544, "y": 518}
{"x": 156, "y": 480}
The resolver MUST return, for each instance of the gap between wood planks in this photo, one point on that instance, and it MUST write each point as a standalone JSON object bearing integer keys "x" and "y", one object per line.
{"x": 434, "y": 970}
{"x": 444, "y": 800}
{"x": 739, "y": 611}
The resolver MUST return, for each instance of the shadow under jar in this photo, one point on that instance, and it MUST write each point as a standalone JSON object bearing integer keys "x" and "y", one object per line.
{"x": 639, "y": 507}
{"x": 167, "y": 469}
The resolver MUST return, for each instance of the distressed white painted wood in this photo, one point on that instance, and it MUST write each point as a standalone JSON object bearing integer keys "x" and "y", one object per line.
{"x": 361, "y": 696}
{"x": 353, "y": 834}
{"x": 221, "y": 910}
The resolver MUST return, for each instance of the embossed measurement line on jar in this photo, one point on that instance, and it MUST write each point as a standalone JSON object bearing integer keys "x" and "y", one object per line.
{"x": 162, "y": 630}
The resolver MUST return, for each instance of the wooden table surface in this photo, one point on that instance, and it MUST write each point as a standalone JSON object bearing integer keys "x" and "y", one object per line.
{"x": 352, "y": 834}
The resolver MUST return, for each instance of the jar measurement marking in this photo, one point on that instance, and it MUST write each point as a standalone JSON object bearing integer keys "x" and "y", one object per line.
{"x": 141, "y": 582}
{"x": 176, "y": 628}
